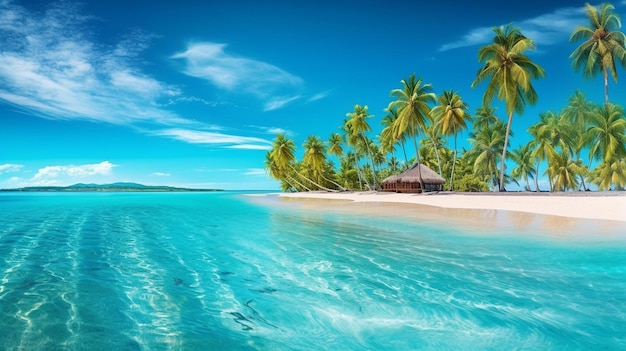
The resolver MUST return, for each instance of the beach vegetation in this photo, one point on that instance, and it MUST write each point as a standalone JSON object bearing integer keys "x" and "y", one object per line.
{"x": 509, "y": 74}
{"x": 603, "y": 44}
{"x": 579, "y": 145}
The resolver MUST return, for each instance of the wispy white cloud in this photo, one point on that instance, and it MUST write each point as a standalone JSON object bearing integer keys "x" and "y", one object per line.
{"x": 161, "y": 174}
{"x": 215, "y": 139}
{"x": 10, "y": 167}
{"x": 278, "y": 102}
{"x": 546, "y": 29}
{"x": 210, "y": 61}
{"x": 319, "y": 96}
{"x": 271, "y": 130}
{"x": 51, "y": 67}
{"x": 54, "y": 175}
{"x": 255, "y": 172}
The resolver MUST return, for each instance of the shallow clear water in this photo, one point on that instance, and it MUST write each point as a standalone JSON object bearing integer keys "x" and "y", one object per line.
{"x": 216, "y": 271}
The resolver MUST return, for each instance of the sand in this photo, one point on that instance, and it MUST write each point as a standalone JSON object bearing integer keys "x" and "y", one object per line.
{"x": 609, "y": 206}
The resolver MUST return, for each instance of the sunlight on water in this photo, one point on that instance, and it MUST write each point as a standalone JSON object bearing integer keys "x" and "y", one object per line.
{"x": 217, "y": 271}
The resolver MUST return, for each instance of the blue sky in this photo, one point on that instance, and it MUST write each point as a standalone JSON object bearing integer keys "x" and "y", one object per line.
{"x": 191, "y": 93}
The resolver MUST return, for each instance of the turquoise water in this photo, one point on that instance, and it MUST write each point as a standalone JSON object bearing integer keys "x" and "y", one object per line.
{"x": 217, "y": 271}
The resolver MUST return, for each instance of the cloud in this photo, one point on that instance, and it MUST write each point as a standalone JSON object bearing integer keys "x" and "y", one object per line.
{"x": 255, "y": 172}
{"x": 161, "y": 174}
{"x": 227, "y": 71}
{"x": 278, "y": 102}
{"x": 51, "y": 175}
{"x": 319, "y": 96}
{"x": 215, "y": 139}
{"x": 546, "y": 29}
{"x": 50, "y": 67}
{"x": 9, "y": 167}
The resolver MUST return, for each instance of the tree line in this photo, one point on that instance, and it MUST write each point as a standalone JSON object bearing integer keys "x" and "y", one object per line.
{"x": 583, "y": 144}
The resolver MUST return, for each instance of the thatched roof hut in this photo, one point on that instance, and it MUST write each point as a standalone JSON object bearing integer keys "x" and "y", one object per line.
{"x": 409, "y": 180}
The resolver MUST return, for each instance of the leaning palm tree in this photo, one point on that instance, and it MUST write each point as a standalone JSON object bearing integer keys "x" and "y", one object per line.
{"x": 412, "y": 104}
{"x": 609, "y": 174}
{"x": 451, "y": 116}
{"x": 315, "y": 158}
{"x": 509, "y": 73}
{"x": 276, "y": 172}
{"x": 283, "y": 154}
{"x": 603, "y": 44}
{"x": 357, "y": 122}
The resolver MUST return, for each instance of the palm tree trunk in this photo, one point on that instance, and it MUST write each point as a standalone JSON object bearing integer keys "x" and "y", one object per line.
{"x": 419, "y": 169}
{"x": 437, "y": 155}
{"x": 367, "y": 149}
{"x": 332, "y": 181}
{"x": 606, "y": 85}
{"x": 537, "y": 178}
{"x": 406, "y": 160}
{"x": 506, "y": 143}
{"x": 297, "y": 182}
{"x": 311, "y": 181}
{"x": 453, "y": 164}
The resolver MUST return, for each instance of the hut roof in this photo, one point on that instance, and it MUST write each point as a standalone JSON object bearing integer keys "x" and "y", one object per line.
{"x": 411, "y": 175}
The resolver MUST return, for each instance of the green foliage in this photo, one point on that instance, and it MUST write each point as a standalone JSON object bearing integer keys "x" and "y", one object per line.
{"x": 471, "y": 183}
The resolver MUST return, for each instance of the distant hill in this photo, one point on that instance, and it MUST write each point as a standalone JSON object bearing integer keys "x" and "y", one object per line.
{"x": 113, "y": 187}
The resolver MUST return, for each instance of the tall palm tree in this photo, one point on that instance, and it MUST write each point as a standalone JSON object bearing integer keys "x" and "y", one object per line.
{"x": 434, "y": 139}
{"x": 451, "y": 116}
{"x": 551, "y": 137}
{"x": 509, "y": 73}
{"x": 603, "y": 44}
{"x": 357, "y": 121}
{"x": 523, "y": 157}
{"x": 412, "y": 104}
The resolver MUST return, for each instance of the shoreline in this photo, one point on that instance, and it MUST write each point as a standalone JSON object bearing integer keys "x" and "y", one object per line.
{"x": 606, "y": 206}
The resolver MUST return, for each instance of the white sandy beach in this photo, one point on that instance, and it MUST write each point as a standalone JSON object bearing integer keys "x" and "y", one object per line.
{"x": 599, "y": 206}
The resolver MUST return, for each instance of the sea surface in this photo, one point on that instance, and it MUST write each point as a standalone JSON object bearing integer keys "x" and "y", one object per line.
{"x": 224, "y": 271}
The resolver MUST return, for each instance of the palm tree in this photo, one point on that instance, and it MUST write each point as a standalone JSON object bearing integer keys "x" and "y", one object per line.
{"x": 577, "y": 112}
{"x": 610, "y": 173}
{"x": 551, "y": 137}
{"x": 433, "y": 137}
{"x": 563, "y": 172}
{"x": 283, "y": 154}
{"x": 509, "y": 72}
{"x": 315, "y": 158}
{"x": 334, "y": 145}
{"x": 607, "y": 132}
{"x": 603, "y": 44}
{"x": 280, "y": 174}
{"x": 411, "y": 103}
{"x": 357, "y": 122}
{"x": 484, "y": 116}
{"x": 451, "y": 116}
{"x": 523, "y": 157}
{"x": 486, "y": 144}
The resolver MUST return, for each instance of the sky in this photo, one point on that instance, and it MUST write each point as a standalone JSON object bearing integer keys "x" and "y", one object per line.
{"x": 191, "y": 93}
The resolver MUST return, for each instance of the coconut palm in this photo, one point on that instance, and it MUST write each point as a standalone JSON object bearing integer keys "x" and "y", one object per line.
{"x": 603, "y": 44}
{"x": 357, "y": 123}
{"x": 609, "y": 174}
{"x": 487, "y": 143}
{"x": 484, "y": 116}
{"x": 412, "y": 105}
{"x": 434, "y": 139}
{"x": 509, "y": 73}
{"x": 578, "y": 112}
{"x": 607, "y": 130}
{"x": 451, "y": 116}
{"x": 523, "y": 158}
{"x": 315, "y": 158}
{"x": 334, "y": 145}
{"x": 563, "y": 172}
{"x": 281, "y": 174}
{"x": 283, "y": 154}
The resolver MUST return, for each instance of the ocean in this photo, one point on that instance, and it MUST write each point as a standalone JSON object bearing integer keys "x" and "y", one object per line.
{"x": 225, "y": 271}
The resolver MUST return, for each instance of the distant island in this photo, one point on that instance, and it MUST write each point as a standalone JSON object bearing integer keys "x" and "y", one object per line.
{"x": 114, "y": 187}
